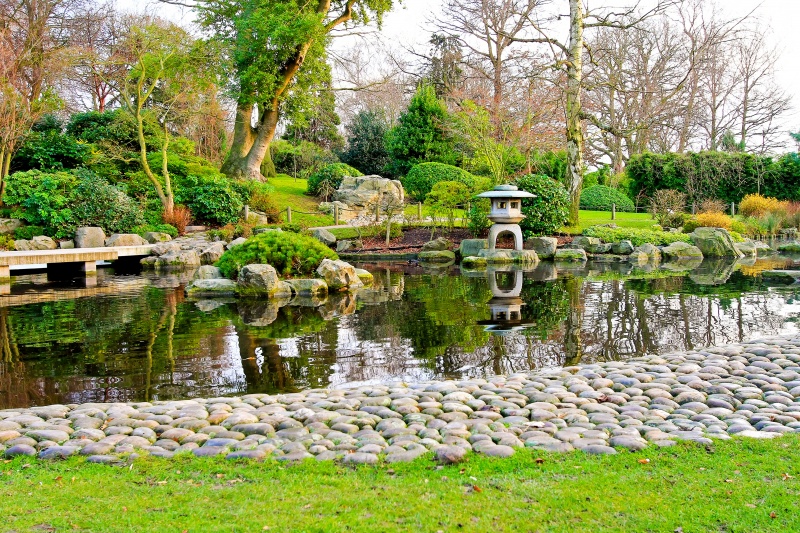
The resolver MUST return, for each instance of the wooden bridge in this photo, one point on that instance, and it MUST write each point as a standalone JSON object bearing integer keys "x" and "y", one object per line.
{"x": 81, "y": 259}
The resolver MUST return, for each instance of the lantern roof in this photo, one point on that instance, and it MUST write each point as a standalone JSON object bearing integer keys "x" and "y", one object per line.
{"x": 506, "y": 191}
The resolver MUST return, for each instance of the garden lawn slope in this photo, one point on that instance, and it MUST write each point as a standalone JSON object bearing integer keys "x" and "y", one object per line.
{"x": 741, "y": 485}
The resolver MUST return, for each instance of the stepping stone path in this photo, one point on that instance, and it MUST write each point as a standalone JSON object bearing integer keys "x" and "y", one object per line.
{"x": 750, "y": 390}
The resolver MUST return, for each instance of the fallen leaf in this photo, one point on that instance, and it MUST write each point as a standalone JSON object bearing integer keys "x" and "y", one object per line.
{"x": 59, "y": 478}
{"x": 220, "y": 476}
{"x": 787, "y": 476}
{"x": 644, "y": 461}
{"x": 124, "y": 509}
{"x": 307, "y": 506}
{"x": 476, "y": 488}
{"x": 462, "y": 470}
{"x": 678, "y": 530}
{"x": 539, "y": 460}
{"x": 728, "y": 481}
{"x": 750, "y": 505}
{"x": 473, "y": 478}
{"x": 265, "y": 528}
{"x": 773, "y": 515}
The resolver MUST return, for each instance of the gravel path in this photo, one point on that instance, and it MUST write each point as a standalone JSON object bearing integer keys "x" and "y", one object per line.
{"x": 750, "y": 389}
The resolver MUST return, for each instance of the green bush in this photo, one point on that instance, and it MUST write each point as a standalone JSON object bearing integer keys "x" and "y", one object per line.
{"x": 600, "y": 198}
{"x": 636, "y": 235}
{"x": 366, "y": 142}
{"x": 6, "y": 243}
{"x": 169, "y": 229}
{"x": 299, "y": 159}
{"x": 478, "y": 217}
{"x": 43, "y": 199}
{"x": 420, "y": 180}
{"x": 28, "y": 232}
{"x": 95, "y": 202}
{"x": 548, "y": 211}
{"x": 294, "y": 227}
{"x": 211, "y": 199}
{"x": 328, "y": 178}
{"x": 51, "y": 150}
{"x": 289, "y": 253}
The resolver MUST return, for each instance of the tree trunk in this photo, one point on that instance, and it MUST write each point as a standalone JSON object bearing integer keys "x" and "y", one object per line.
{"x": 573, "y": 110}
{"x": 252, "y": 162}
{"x": 243, "y": 137}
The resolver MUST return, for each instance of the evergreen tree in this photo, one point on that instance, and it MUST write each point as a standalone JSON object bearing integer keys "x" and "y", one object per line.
{"x": 421, "y": 134}
{"x": 366, "y": 142}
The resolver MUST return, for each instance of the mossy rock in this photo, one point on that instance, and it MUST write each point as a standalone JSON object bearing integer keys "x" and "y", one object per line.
{"x": 211, "y": 287}
{"x": 365, "y": 276}
{"x": 474, "y": 262}
{"x": 790, "y": 247}
{"x": 570, "y": 255}
{"x": 437, "y": 256}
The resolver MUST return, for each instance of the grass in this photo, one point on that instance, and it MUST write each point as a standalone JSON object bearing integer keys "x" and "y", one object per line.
{"x": 290, "y": 192}
{"x": 742, "y": 485}
{"x": 623, "y": 220}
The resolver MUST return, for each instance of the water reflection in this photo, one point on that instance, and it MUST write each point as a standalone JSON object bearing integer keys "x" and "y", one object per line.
{"x": 135, "y": 337}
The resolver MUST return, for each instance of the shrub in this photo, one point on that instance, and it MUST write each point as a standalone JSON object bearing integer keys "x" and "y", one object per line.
{"x": 51, "y": 150}
{"x": 637, "y": 236}
{"x": 445, "y": 197}
{"x": 548, "y": 211}
{"x": 478, "y": 217}
{"x": 43, "y": 199}
{"x": 379, "y": 230}
{"x": 711, "y": 205}
{"x": 289, "y": 253}
{"x": 708, "y": 220}
{"x": 792, "y": 219}
{"x": 28, "y": 232}
{"x": 180, "y": 217}
{"x": 265, "y": 204}
{"x": 98, "y": 203}
{"x": 299, "y": 159}
{"x": 366, "y": 142}
{"x": 667, "y": 208}
{"x": 328, "y": 178}
{"x": 6, "y": 243}
{"x": 420, "y": 180}
{"x": 211, "y": 199}
{"x": 294, "y": 227}
{"x": 755, "y": 205}
{"x": 600, "y": 198}
{"x": 169, "y": 229}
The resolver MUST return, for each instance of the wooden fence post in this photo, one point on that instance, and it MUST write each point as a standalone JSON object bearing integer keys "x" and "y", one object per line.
{"x": 289, "y": 215}
{"x": 733, "y": 209}
{"x": 613, "y": 211}
{"x": 335, "y": 214}
{"x": 419, "y": 211}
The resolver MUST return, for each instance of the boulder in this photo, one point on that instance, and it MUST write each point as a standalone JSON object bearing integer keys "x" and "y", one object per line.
{"x": 570, "y": 255}
{"x": 652, "y": 252}
{"x": 236, "y": 242}
{"x": 177, "y": 259}
{"x": 638, "y": 258}
{"x": 790, "y": 247}
{"x": 308, "y": 287}
{"x": 90, "y": 237}
{"x": 338, "y": 274}
{"x": 437, "y": 245}
{"x": 545, "y": 247}
{"x": 436, "y": 256}
{"x": 474, "y": 262}
{"x": 125, "y": 239}
{"x": 41, "y": 242}
{"x": 66, "y": 245}
{"x": 208, "y": 272}
{"x": 592, "y": 245}
{"x": 211, "y": 287}
{"x": 505, "y": 257}
{"x": 324, "y": 236}
{"x": 154, "y": 237}
{"x": 471, "y": 247}
{"x": 715, "y": 242}
{"x": 365, "y": 276}
{"x": 262, "y": 280}
{"x": 747, "y": 248}
{"x": 9, "y": 225}
{"x": 349, "y": 245}
{"x": 681, "y": 250}
{"x": 165, "y": 248}
{"x": 261, "y": 313}
{"x": 211, "y": 255}
{"x": 622, "y": 248}
{"x": 366, "y": 190}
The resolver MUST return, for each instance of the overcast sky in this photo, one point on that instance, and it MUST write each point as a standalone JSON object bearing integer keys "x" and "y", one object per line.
{"x": 407, "y": 25}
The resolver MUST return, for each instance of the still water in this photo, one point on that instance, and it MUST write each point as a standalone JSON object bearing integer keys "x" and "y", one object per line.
{"x": 138, "y": 338}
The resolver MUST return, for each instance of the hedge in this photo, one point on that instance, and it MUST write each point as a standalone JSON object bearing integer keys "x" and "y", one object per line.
{"x": 600, "y": 198}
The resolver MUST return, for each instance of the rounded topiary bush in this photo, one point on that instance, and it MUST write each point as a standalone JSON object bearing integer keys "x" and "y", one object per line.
{"x": 290, "y": 254}
{"x": 329, "y": 177}
{"x": 422, "y": 177}
{"x": 548, "y": 211}
{"x": 600, "y": 198}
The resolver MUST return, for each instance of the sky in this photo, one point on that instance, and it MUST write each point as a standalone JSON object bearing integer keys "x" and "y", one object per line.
{"x": 407, "y": 25}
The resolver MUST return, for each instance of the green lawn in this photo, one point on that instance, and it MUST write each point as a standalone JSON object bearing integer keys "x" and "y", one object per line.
{"x": 623, "y": 220}
{"x": 736, "y": 486}
{"x": 290, "y": 192}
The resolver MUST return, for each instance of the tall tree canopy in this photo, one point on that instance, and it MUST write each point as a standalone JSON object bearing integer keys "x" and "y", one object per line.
{"x": 276, "y": 51}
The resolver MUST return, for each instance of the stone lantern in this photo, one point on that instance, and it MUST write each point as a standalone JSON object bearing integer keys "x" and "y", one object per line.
{"x": 506, "y": 305}
{"x": 506, "y": 213}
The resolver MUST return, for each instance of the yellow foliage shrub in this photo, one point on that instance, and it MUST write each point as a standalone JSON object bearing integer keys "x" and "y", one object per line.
{"x": 708, "y": 220}
{"x": 755, "y": 205}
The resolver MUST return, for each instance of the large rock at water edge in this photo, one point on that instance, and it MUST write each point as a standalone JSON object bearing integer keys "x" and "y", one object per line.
{"x": 790, "y": 247}
{"x": 338, "y": 274}
{"x": 570, "y": 255}
{"x": 681, "y": 250}
{"x": 437, "y": 256}
{"x": 349, "y": 245}
{"x": 592, "y": 245}
{"x": 505, "y": 257}
{"x": 178, "y": 259}
{"x": 437, "y": 245}
{"x": 41, "y": 242}
{"x": 652, "y": 252}
{"x": 622, "y": 248}
{"x": 324, "y": 236}
{"x": 308, "y": 287}
{"x": 90, "y": 237}
{"x": 472, "y": 247}
{"x": 748, "y": 248}
{"x": 715, "y": 242}
{"x": 545, "y": 247}
{"x": 154, "y": 237}
{"x": 211, "y": 287}
{"x": 208, "y": 272}
{"x": 211, "y": 255}
{"x": 125, "y": 239}
{"x": 262, "y": 280}
{"x": 365, "y": 190}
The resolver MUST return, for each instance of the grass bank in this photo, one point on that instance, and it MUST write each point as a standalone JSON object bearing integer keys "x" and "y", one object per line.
{"x": 623, "y": 220}
{"x": 290, "y": 192}
{"x": 735, "y": 486}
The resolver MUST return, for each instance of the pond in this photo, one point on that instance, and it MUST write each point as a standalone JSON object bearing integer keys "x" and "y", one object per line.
{"x": 136, "y": 337}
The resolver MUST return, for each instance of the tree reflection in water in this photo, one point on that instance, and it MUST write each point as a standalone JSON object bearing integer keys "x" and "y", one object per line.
{"x": 141, "y": 339}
